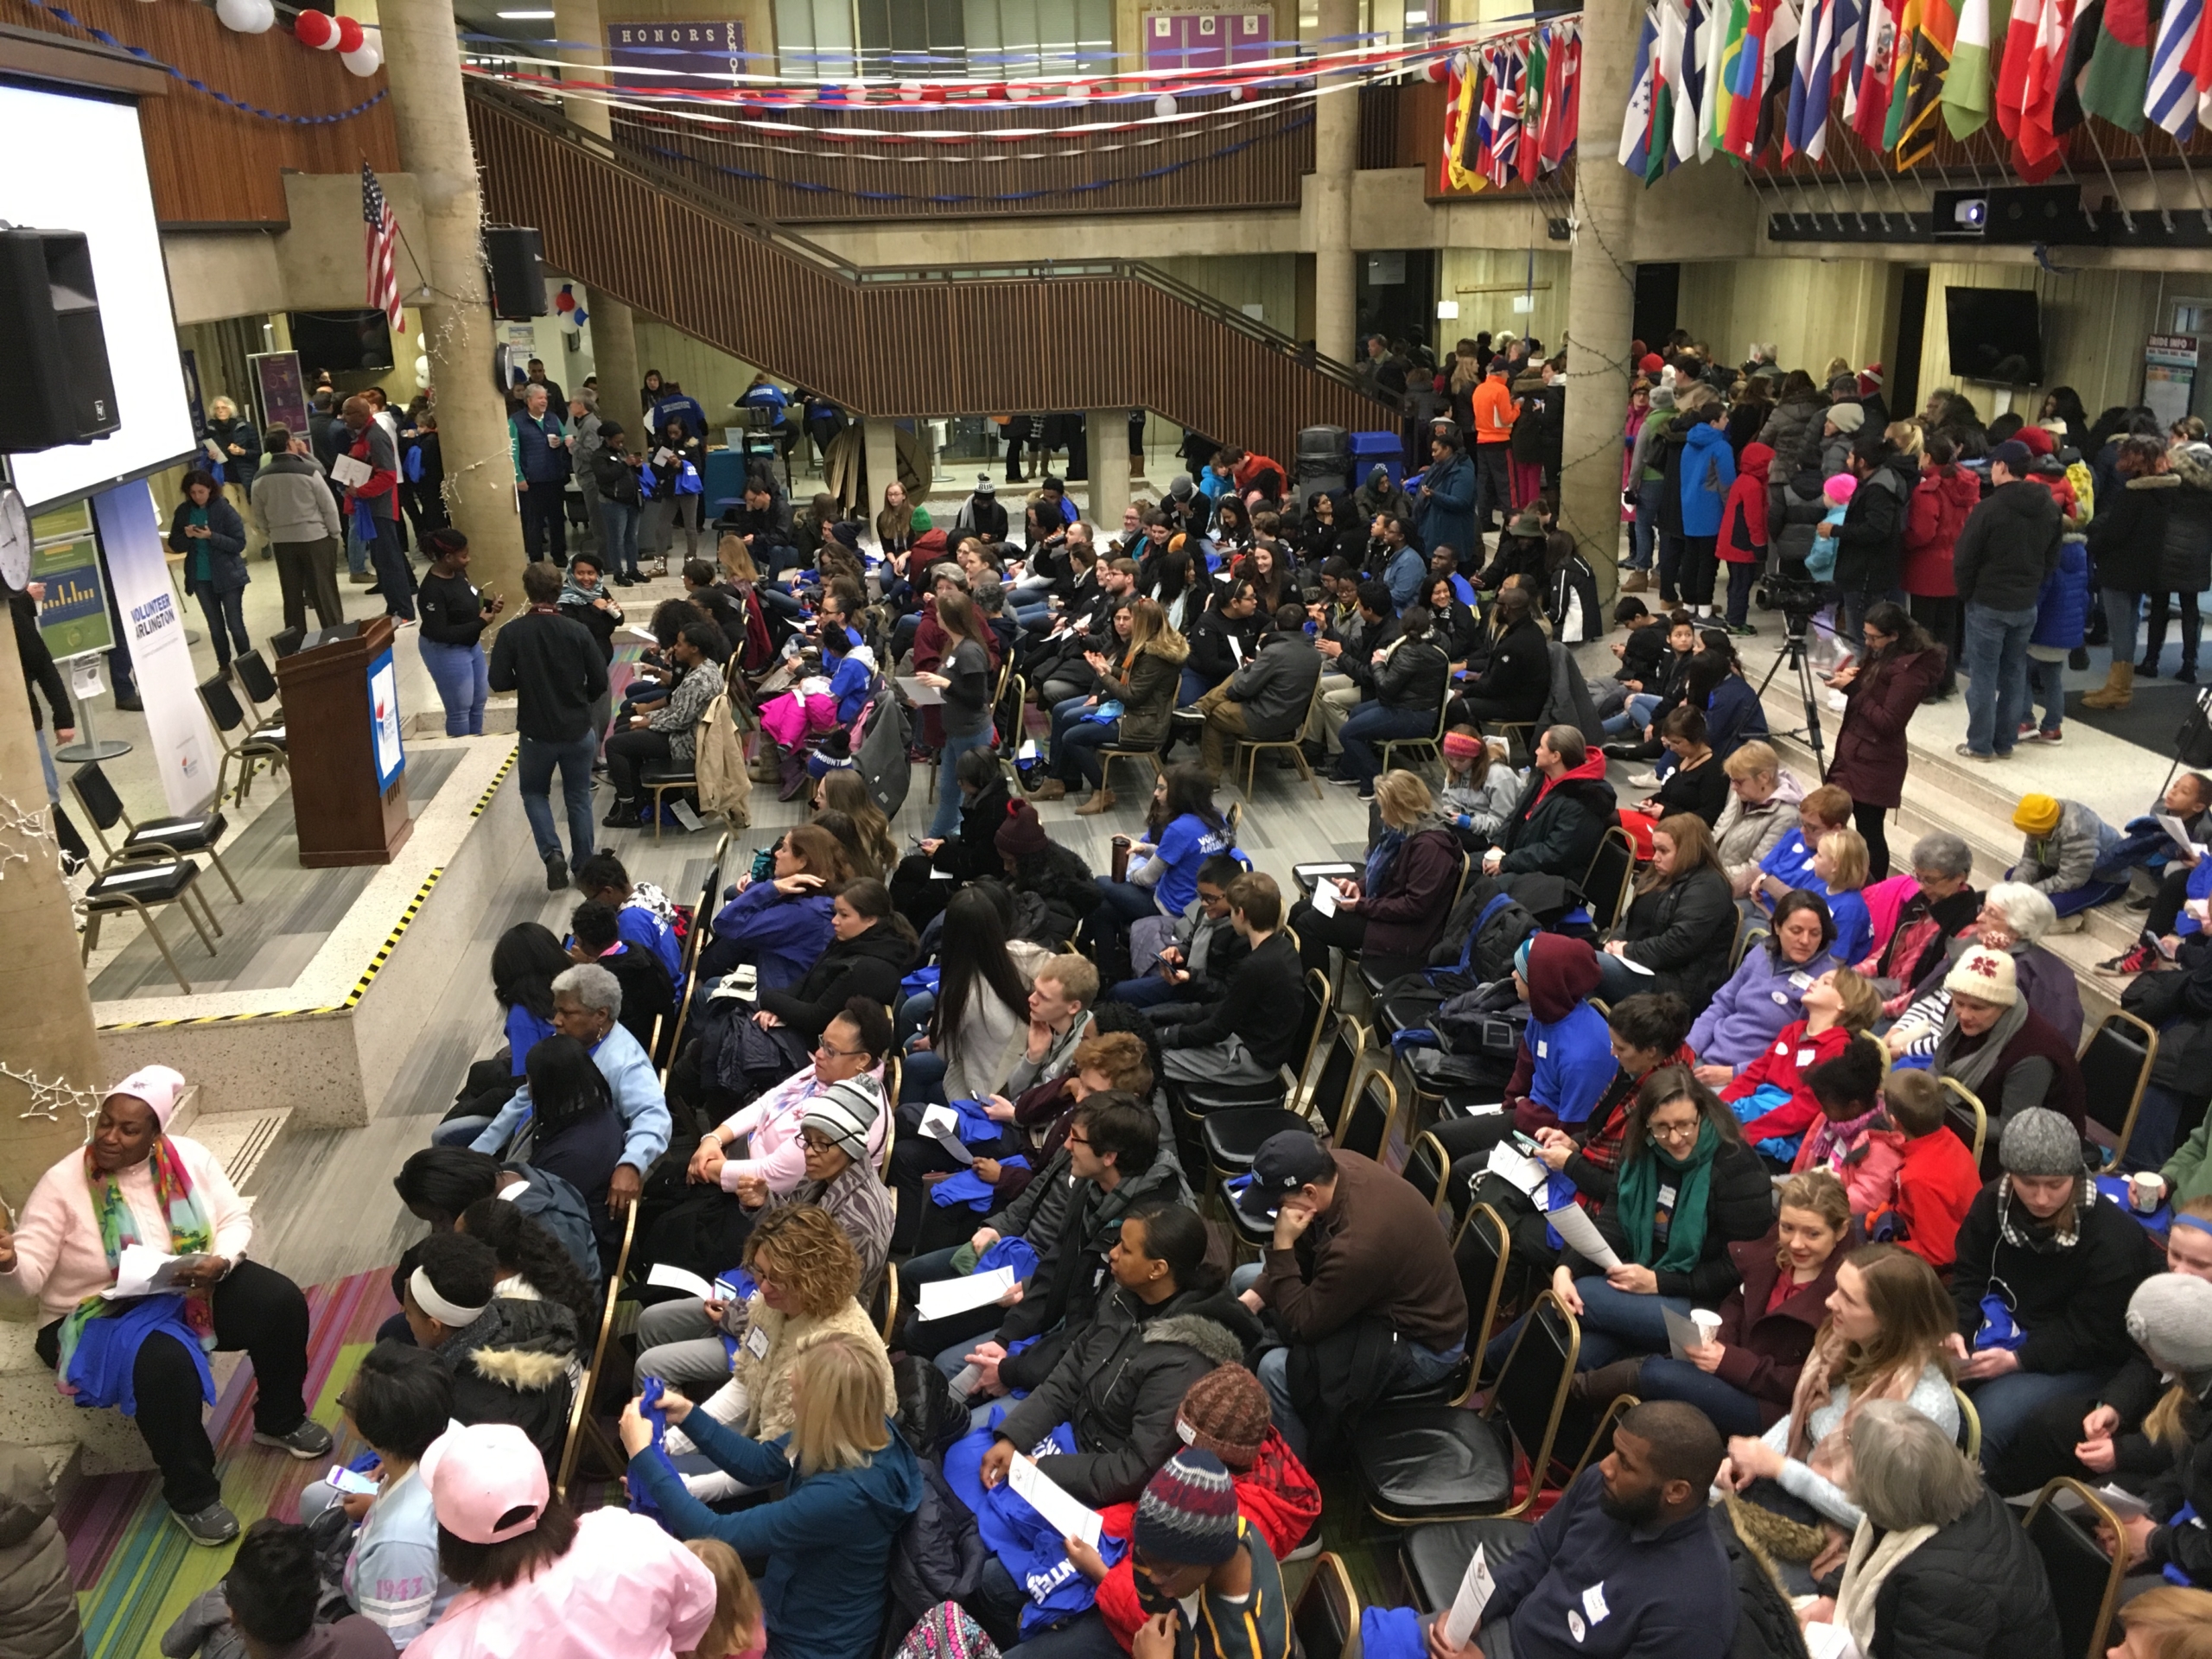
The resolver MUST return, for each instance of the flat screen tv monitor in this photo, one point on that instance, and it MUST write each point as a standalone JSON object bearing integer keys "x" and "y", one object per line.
{"x": 1996, "y": 334}
{"x": 341, "y": 343}
{"x": 100, "y": 138}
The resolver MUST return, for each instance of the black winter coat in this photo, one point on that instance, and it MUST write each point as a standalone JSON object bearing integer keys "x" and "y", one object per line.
{"x": 1739, "y": 1206}
{"x": 1413, "y": 677}
{"x": 2189, "y": 1481}
{"x": 2008, "y": 548}
{"x": 1519, "y": 674}
{"x": 1683, "y": 933}
{"x": 870, "y": 966}
{"x": 1119, "y": 1385}
{"x": 1063, "y": 883}
{"x": 1559, "y": 835}
{"x": 2128, "y": 535}
{"x": 2185, "y": 556}
{"x": 1976, "y": 1590}
{"x": 2072, "y": 1303}
{"x": 1870, "y": 541}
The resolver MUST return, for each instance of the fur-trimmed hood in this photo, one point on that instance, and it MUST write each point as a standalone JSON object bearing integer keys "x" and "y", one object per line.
{"x": 530, "y": 1347}
{"x": 1195, "y": 1330}
{"x": 1170, "y": 644}
{"x": 2192, "y": 464}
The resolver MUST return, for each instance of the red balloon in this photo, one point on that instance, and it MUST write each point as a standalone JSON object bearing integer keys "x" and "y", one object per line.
{"x": 1435, "y": 71}
{"x": 317, "y": 30}
{"x": 349, "y": 35}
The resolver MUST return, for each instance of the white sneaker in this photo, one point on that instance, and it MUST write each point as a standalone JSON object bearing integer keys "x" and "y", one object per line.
{"x": 1645, "y": 780}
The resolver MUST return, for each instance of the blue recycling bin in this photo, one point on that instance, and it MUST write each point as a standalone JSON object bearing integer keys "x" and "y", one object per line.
{"x": 1367, "y": 449}
{"x": 721, "y": 481}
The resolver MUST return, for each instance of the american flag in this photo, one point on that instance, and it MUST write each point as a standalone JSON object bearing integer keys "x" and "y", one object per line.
{"x": 380, "y": 233}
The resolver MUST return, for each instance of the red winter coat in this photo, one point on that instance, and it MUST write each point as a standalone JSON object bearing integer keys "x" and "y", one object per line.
{"x": 1935, "y": 1187}
{"x": 1761, "y": 1353}
{"x": 1743, "y": 520}
{"x": 1275, "y": 1495}
{"x": 1870, "y": 749}
{"x": 1778, "y": 1063}
{"x": 1934, "y": 517}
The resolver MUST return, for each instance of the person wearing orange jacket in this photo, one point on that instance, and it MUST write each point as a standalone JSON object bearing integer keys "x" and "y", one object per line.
{"x": 1494, "y": 411}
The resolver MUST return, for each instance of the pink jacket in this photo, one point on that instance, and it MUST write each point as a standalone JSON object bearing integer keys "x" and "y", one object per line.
{"x": 769, "y": 1128}
{"x": 625, "y": 1590}
{"x": 1867, "y": 1163}
{"x": 59, "y": 1256}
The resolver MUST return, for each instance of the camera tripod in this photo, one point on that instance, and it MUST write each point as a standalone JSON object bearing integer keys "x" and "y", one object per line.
{"x": 1793, "y": 651}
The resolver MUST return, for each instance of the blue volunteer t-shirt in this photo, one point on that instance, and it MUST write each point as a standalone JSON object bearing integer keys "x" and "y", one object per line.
{"x": 1184, "y": 846}
{"x": 1791, "y": 863}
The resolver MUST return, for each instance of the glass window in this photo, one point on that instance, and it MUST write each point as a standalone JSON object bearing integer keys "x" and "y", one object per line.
{"x": 946, "y": 39}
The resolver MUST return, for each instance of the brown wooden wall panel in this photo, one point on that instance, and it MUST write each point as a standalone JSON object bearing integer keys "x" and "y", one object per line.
{"x": 1254, "y": 164}
{"x": 213, "y": 165}
{"x": 927, "y": 346}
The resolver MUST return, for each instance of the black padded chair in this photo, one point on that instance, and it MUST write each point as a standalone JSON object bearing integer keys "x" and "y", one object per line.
{"x": 1326, "y": 1618}
{"x": 2116, "y": 1065}
{"x": 1435, "y": 1558}
{"x": 2084, "y": 1582}
{"x": 1205, "y": 1099}
{"x": 1368, "y": 1120}
{"x": 1427, "y": 1167}
{"x": 146, "y": 888}
{"x": 261, "y": 694}
{"x": 1607, "y": 883}
{"x": 153, "y": 841}
{"x": 251, "y": 746}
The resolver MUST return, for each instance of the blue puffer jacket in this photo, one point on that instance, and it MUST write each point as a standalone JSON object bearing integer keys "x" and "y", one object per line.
{"x": 1708, "y": 473}
{"x": 2062, "y": 606}
{"x": 784, "y": 937}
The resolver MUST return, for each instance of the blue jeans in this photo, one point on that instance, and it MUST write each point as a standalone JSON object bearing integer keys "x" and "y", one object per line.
{"x": 1997, "y": 676}
{"x": 1634, "y": 716}
{"x": 1617, "y": 1323}
{"x": 1643, "y": 532}
{"x": 1371, "y": 723}
{"x": 1418, "y": 1368}
{"x": 463, "y": 683}
{"x": 947, "y": 820}
{"x": 357, "y": 553}
{"x": 1065, "y": 714}
{"x": 2046, "y": 685}
{"x": 226, "y": 614}
{"x": 617, "y": 536}
{"x": 394, "y": 580}
{"x": 1732, "y": 1411}
{"x": 2005, "y": 1403}
{"x": 1075, "y": 757}
{"x": 2123, "y": 611}
{"x": 535, "y": 773}
{"x": 921, "y": 1077}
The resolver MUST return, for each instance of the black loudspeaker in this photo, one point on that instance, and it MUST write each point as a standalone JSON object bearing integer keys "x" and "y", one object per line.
{"x": 518, "y": 261}
{"x": 55, "y": 386}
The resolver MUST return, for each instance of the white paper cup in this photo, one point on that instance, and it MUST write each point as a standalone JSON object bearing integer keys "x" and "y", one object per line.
{"x": 1709, "y": 1325}
{"x": 2144, "y": 1192}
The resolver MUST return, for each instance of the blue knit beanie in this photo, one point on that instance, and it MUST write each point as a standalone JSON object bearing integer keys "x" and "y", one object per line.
{"x": 1188, "y": 1512}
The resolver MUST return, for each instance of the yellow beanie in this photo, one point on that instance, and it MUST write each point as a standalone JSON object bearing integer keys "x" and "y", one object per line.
{"x": 2037, "y": 815}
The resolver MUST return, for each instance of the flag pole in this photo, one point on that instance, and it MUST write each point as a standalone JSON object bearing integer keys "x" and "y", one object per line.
{"x": 2157, "y": 196}
{"x": 2195, "y": 189}
{"x": 2127, "y": 219}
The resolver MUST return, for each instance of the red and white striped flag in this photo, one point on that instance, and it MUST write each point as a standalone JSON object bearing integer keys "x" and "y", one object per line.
{"x": 380, "y": 234}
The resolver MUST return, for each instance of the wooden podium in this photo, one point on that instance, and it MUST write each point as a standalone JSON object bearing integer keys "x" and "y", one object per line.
{"x": 349, "y": 778}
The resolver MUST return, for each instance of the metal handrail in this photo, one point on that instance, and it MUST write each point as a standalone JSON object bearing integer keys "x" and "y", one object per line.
{"x": 540, "y": 111}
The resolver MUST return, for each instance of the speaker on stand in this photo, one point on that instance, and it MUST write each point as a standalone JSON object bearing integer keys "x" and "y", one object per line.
{"x": 516, "y": 255}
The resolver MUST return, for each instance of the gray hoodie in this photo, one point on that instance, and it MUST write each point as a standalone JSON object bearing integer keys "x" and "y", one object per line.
{"x": 294, "y": 501}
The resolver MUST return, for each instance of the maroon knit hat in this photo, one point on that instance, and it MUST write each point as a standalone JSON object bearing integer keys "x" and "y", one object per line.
{"x": 1021, "y": 835}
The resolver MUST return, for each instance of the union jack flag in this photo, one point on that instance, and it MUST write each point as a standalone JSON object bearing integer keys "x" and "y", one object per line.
{"x": 380, "y": 234}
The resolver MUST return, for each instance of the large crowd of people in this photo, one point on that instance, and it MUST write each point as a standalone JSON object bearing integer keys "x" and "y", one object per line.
{"x": 950, "y": 1255}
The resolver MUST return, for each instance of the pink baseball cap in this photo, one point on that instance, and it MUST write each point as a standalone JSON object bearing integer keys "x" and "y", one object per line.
{"x": 159, "y": 1086}
{"x": 480, "y": 1476}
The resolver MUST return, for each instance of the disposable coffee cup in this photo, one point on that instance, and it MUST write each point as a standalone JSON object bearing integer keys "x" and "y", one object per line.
{"x": 2144, "y": 1192}
{"x": 1709, "y": 1325}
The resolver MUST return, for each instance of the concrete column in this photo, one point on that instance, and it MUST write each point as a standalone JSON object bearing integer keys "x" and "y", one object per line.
{"x": 880, "y": 448}
{"x": 1601, "y": 298}
{"x": 422, "y": 59}
{"x": 49, "y": 1057}
{"x": 614, "y": 339}
{"x": 1336, "y": 153}
{"x": 1106, "y": 433}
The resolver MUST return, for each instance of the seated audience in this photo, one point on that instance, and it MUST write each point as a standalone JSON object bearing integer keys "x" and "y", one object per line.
{"x": 1836, "y": 876}
{"x": 1762, "y": 808}
{"x": 870, "y": 948}
{"x": 1697, "y": 785}
{"x": 2063, "y": 854}
{"x": 1140, "y": 683}
{"x": 781, "y": 924}
{"x": 399, "y": 1401}
{"x": 1884, "y": 1339}
{"x": 1193, "y": 964}
{"x": 1942, "y": 906}
{"x": 135, "y": 1182}
{"x": 1356, "y": 1253}
{"x": 1267, "y": 699}
{"x": 269, "y": 1602}
{"x": 1564, "y": 810}
{"x": 1853, "y": 1139}
{"x": 1480, "y": 787}
{"x": 1637, "y": 1527}
{"x": 2045, "y": 1270}
{"x": 1787, "y": 866}
{"x": 587, "y": 1006}
{"x": 1745, "y": 1377}
{"x": 1182, "y": 829}
{"x": 509, "y": 1355}
{"x": 1936, "y": 1183}
{"x": 980, "y": 1019}
{"x": 1517, "y": 683}
{"x": 1394, "y": 912}
{"x": 1054, "y": 890}
{"x": 1119, "y": 1385}
{"x": 1410, "y": 677}
{"x": 644, "y": 914}
{"x": 2170, "y": 1317}
{"x": 537, "y": 1578}
{"x": 1766, "y": 992}
{"x": 1773, "y": 1096}
{"x": 525, "y": 963}
{"x": 2012, "y": 919}
{"x": 1938, "y": 1565}
{"x": 533, "y": 1265}
{"x": 1995, "y": 1045}
{"x": 1688, "y": 1187}
{"x": 438, "y": 1185}
{"x": 648, "y": 998}
{"x": 2167, "y": 1623}
{"x": 1206, "y": 1582}
{"x": 1244, "y": 1037}
{"x": 849, "y": 1483}
{"x": 1681, "y": 924}
{"x": 843, "y": 790}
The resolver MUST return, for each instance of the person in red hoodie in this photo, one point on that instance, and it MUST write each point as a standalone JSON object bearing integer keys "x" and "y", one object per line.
{"x": 2051, "y": 474}
{"x": 1743, "y": 532}
{"x": 1225, "y": 1413}
{"x": 1837, "y": 1006}
{"x": 1947, "y": 493}
{"x": 1563, "y": 813}
{"x": 1938, "y": 1181}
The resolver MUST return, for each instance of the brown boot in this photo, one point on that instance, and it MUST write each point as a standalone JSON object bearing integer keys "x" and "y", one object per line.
{"x": 1099, "y": 801}
{"x": 1604, "y": 1384}
{"x": 2117, "y": 690}
{"x": 1636, "y": 581}
{"x": 1051, "y": 790}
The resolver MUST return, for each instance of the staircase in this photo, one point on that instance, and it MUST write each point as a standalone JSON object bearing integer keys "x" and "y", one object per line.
{"x": 946, "y": 339}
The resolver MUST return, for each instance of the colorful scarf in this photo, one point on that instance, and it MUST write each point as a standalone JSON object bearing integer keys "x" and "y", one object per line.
{"x": 190, "y": 1235}
{"x": 1638, "y": 1197}
{"x": 1836, "y": 1144}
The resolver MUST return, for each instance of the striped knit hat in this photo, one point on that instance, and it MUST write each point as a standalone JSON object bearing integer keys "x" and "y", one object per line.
{"x": 844, "y": 1114}
{"x": 1187, "y": 1514}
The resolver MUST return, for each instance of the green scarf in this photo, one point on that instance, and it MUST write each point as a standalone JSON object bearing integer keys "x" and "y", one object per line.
{"x": 190, "y": 1234}
{"x": 1638, "y": 1197}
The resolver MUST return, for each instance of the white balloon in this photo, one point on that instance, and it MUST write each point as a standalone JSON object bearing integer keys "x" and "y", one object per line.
{"x": 1164, "y": 104}
{"x": 1078, "y": 93}
{"x": 1017, "y": 91}
{"x": 423, "y": 370}
{"x": 910, "y": 92}
{"x": 246, "y": 16}
{"x": 365, "y": 61}
{"x": 1236, "y": 94}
